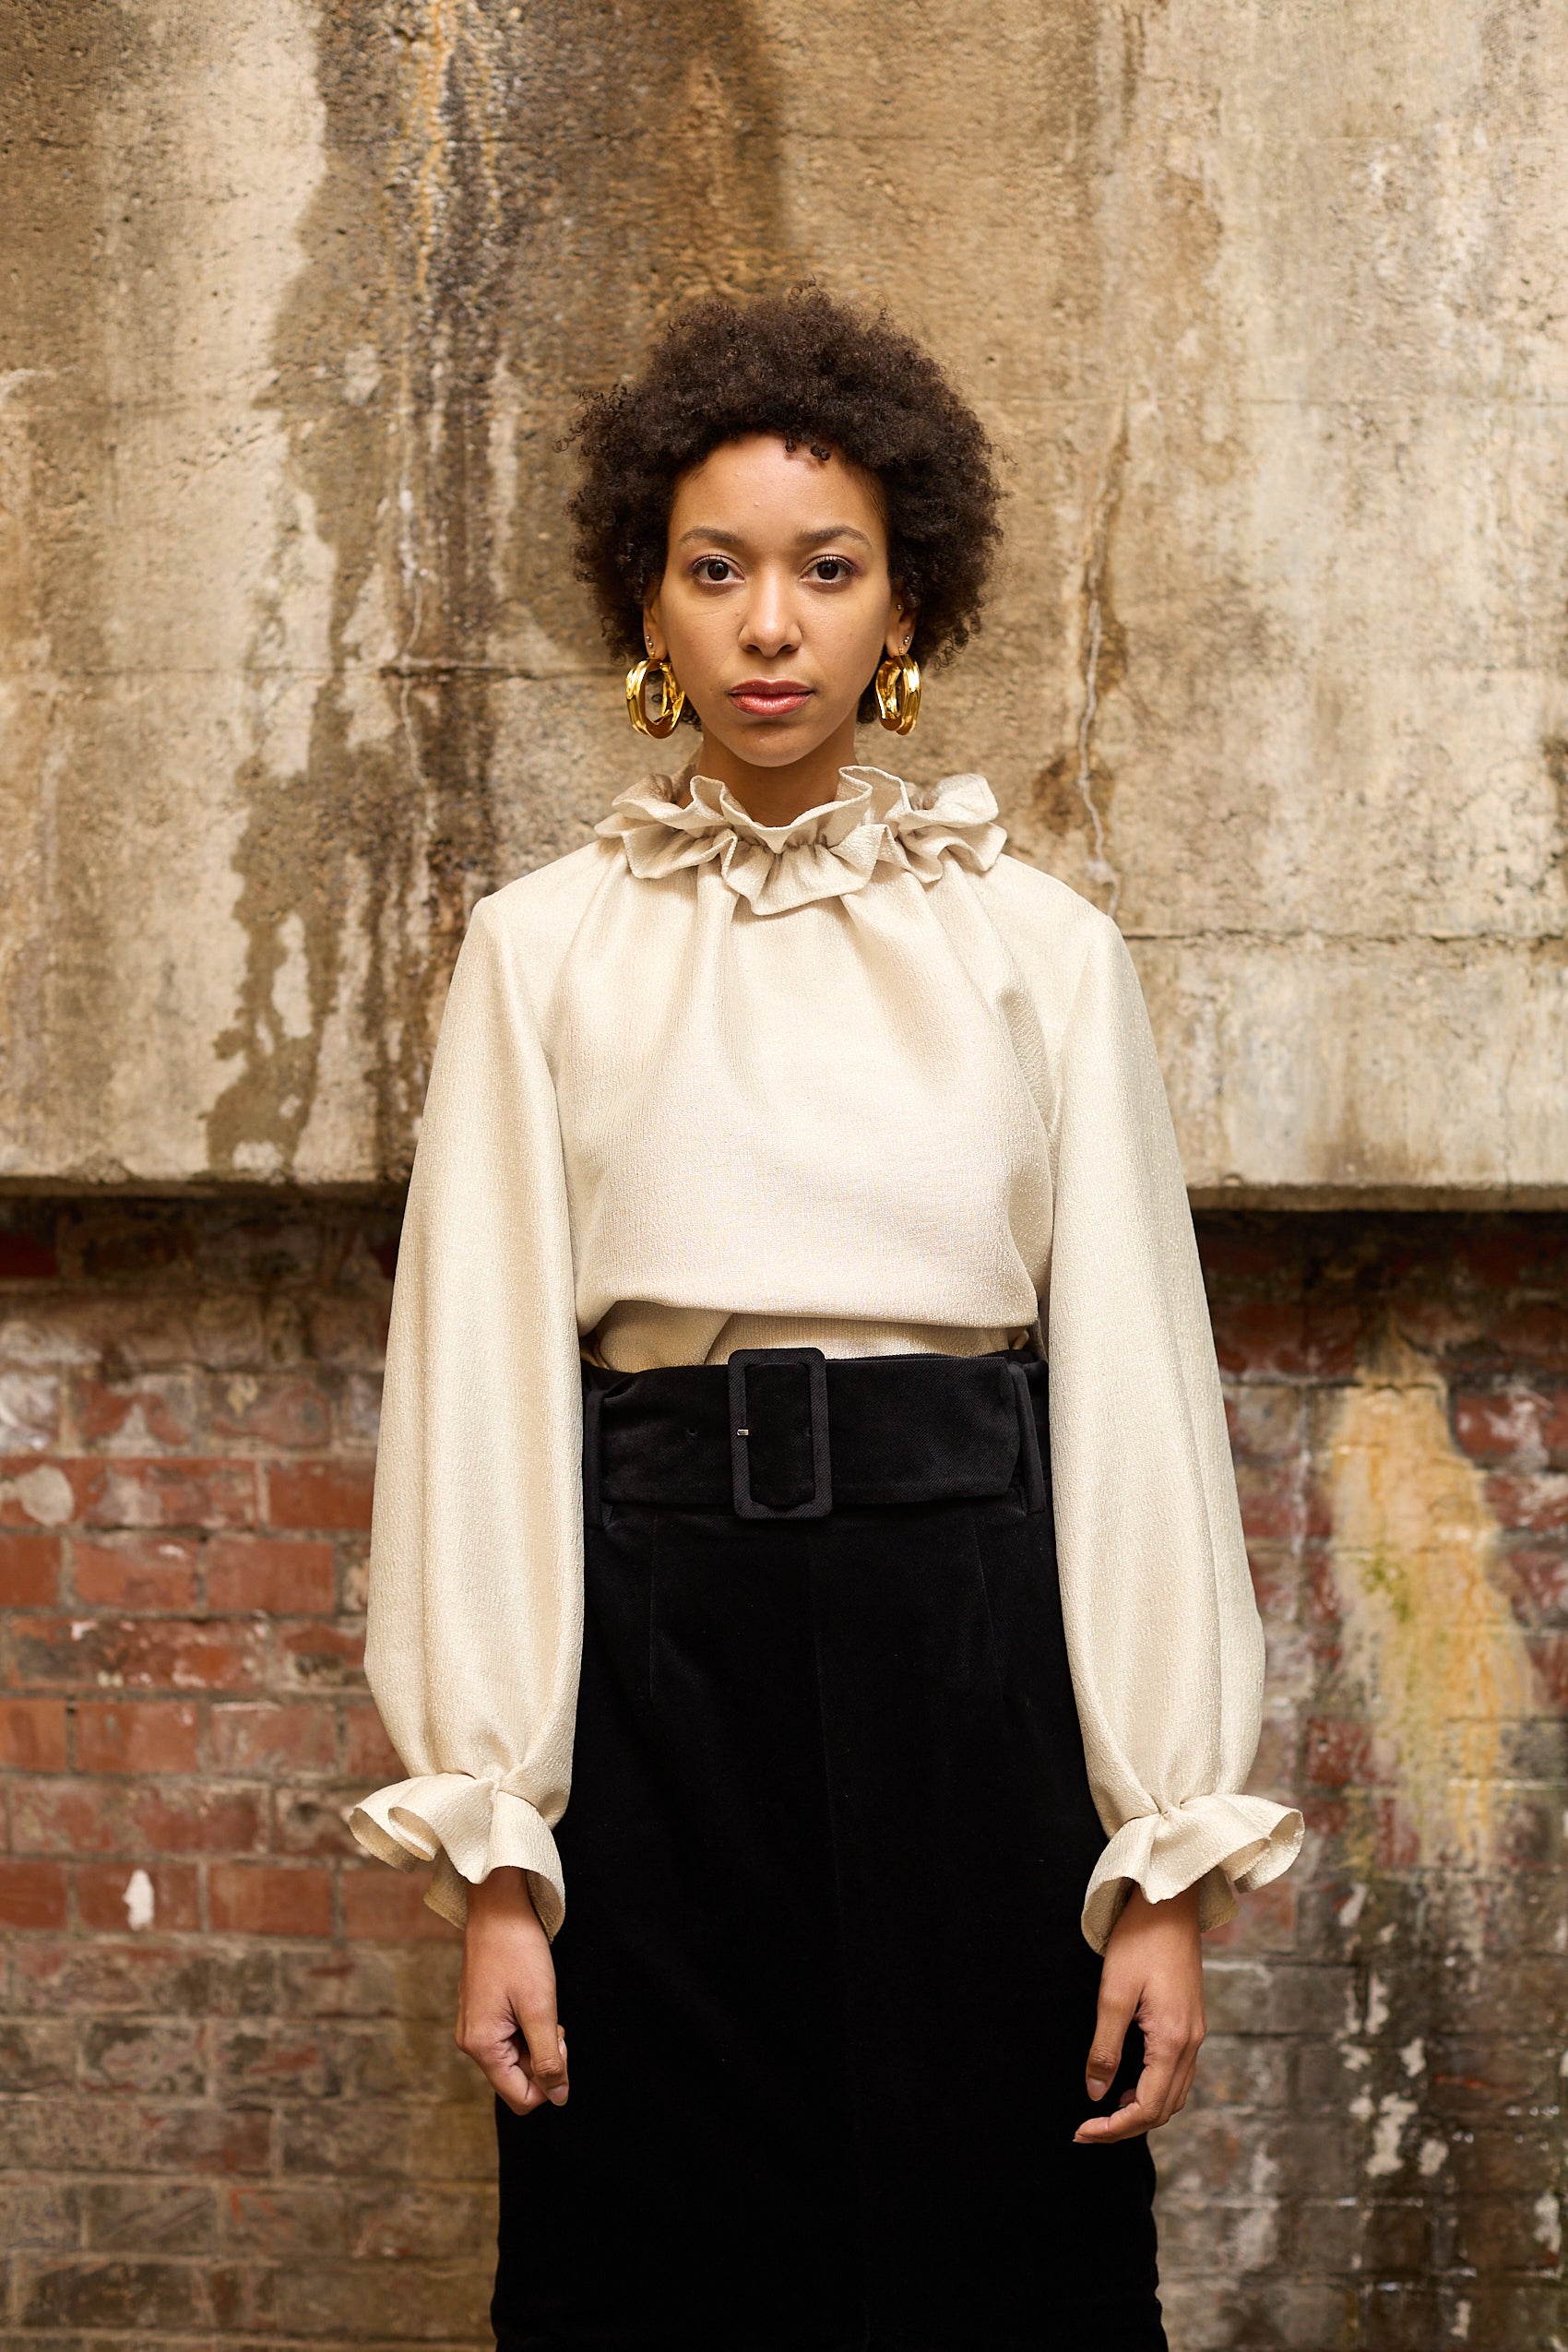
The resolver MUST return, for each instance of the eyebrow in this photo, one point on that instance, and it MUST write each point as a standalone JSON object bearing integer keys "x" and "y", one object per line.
{"x": 805, "y": 539}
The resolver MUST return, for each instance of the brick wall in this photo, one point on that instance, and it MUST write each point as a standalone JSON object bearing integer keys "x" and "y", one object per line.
{"x": 231, "y": 2107}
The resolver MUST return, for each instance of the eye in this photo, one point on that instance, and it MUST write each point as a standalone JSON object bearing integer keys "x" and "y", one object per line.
{"x": 831, "y": 569}
{"x": 713, "y": 569}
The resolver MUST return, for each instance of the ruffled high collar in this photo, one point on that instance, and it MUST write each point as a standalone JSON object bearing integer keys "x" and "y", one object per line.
{"x": 826, "y": 852}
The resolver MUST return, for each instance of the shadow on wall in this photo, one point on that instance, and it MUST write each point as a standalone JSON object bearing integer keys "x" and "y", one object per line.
{"x": 504, "y": 213}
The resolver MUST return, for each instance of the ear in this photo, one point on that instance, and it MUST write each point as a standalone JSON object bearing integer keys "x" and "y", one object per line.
{"x": 901, "y": 618}
{"x": 653, "y": 635}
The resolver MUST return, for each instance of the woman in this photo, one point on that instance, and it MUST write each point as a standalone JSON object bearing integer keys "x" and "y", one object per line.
{"x": 778, "y": 1142}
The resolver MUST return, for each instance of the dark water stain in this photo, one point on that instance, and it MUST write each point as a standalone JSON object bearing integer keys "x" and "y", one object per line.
{"x": 1554, "y": 754}
{"x": 70, "y": 743}
{"x": 1072, "y": 793}
{"x": 511, "y": 197}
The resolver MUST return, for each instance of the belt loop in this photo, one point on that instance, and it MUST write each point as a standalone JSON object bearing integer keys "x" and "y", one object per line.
{"x": 1035, "y": 1491}
{"x": 593, "y": 1507}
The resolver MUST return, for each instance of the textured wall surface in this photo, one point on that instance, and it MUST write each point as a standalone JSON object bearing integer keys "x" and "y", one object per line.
{"x": 1265, "y": 301}
{"x": 231, "y": 2110}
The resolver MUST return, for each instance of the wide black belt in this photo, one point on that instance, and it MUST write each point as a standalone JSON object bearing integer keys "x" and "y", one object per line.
{"x": 789, "y": 1433}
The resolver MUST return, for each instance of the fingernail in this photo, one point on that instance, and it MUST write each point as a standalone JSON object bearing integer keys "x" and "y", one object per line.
{"x": 557, "y": 2098}
{"x": 1098, "y": 2085}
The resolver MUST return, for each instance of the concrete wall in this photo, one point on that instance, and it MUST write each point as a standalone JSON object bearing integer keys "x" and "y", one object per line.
{"x": 1264, "y": 300}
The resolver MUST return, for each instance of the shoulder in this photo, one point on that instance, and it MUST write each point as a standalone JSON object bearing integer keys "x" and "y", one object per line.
{"x": 536, "y": 916}
{"x": 1053, "y": 930}
{"x": 547, "y": 895}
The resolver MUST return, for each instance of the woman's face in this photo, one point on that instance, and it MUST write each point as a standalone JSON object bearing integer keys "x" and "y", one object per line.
{"x": 775, "y": 607}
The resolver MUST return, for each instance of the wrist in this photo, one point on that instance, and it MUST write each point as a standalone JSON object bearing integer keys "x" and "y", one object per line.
{"x": 504, "y": 1893}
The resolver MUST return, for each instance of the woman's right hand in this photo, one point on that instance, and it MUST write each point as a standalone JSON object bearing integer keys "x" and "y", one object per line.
{"x": 506, "y": 2019}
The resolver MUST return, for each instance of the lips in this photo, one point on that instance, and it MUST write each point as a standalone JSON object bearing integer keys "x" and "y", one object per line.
{"x": 769, "y": 697}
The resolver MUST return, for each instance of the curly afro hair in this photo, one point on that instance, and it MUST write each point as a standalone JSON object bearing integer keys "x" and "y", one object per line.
{"x": 810, "y": 369}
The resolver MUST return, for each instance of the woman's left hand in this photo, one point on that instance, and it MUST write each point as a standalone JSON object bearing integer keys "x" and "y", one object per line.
{"x": 1153, "y": 1971}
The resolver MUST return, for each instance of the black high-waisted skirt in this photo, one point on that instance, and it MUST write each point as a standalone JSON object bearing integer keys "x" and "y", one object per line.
{"x": 824, "y": 1991}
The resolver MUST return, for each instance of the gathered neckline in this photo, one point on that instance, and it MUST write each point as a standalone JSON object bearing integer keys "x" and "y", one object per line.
{"x": 669, "y": 823}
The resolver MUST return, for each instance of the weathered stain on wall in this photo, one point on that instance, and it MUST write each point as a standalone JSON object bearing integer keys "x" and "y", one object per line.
{"x": 1260, "y": 302}
{"x": 1445, "y": 1675}
{"x": 444, "y": 281}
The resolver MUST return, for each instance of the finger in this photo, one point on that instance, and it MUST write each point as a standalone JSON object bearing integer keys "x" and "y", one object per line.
{"x": 496, "y": 2050}
{"x": 546, "y": 2042}
{"x": 1129, "y": 2123}
{"x": 1142, "y": 2109}
{"x": 1112, "y": 2020}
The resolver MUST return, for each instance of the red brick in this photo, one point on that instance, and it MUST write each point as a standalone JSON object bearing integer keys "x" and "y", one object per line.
{"x": 1261, "y": 1335}
{"x": 30, "y": 1571}
{"x": 289, "y": 1579}
{"x": 1538, "y": 1331}
{"x": 1338, "y": 1753}
{"x": 319, "y": 1494}
{"x": 1548, "y": 1655}
{"x": 135, "y": 1571}
{"x": 384, "y": 1906}
{"x": 349, "y": 1331}
{"x": 1496, "y": 1425}
{"x": 100, "y": 1895}
{"x": 273, "y": 1412}
{"x": 144, "y": 1974}
{"x": 141, "y": 1413}
{"x": 32, "y": 1735}
{"x": 321, "y": 1657}
{"x": 97, "y": 2134}
{"x": 1310, "y": 1339}
{"x": 1273, "y": 1502}
{"x": 1538, "y": 1576}
{"x": 211, "y": 1817}
{"x": 261, "y": 1898}
{"x": 32, "y": 1894}
{"x": 1325, "y": 1817}
{"x": 137, "y": 1735}
{"x": 275, "y": 1738}
{"x": 137, "y": 1653}
{"x": 370, "y": 1755}
{"x": 1539, "y": 1500}
{"x": 1277, "y": 1581}
{"x": 309, "y": 1818}
{"x": 25, "y": 1259}
{"x": 1395, "y": 1845}
{"x": 291, "y": 2059}
{"x": 134, "y": 1817}
{"x": 1554, "y": 1428}
{"x": 164, "y": 1492}
{"x": 1264, "y": 1922}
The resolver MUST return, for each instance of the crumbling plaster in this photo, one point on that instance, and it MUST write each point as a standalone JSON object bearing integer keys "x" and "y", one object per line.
{"x": 1263, "y": 301}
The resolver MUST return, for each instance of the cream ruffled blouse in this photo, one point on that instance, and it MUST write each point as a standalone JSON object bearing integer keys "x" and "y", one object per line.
{"x": 860, "y": 1082}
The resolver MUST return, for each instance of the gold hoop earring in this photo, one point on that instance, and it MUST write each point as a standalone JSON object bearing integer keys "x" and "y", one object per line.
{"x": 898, "y": 685}
{"x": 671, "y": 699}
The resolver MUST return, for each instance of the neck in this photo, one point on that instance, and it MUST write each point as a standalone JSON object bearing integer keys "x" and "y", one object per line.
{"x": 778, "y": 795}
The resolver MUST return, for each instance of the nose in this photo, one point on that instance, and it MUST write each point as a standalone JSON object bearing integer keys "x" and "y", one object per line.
{"x": 770, "y": 625}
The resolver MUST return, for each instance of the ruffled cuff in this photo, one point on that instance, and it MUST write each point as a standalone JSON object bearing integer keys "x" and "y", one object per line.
{"x": 468, "y": 1827}
{"x": 1215, "y": 1843}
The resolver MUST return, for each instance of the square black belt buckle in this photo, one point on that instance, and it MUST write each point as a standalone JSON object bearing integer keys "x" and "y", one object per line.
{"x": 821, "y": 1500}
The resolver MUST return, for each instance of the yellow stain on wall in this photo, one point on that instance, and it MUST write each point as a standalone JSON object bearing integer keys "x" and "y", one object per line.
{"x": 1427, "y": 1632}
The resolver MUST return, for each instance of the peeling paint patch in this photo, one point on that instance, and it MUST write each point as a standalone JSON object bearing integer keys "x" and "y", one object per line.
{"x": 45, "y": 1495}
{"x": 138, "y": 1900}
{"x": 1393, "y": 2114}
